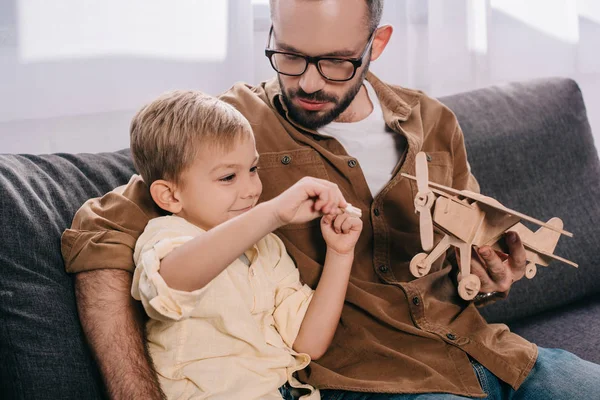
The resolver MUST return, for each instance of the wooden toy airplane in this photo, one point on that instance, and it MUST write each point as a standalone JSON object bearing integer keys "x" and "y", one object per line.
{"x": 471, "y": 219}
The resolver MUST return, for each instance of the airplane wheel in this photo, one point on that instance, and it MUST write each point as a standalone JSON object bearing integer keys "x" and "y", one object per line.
{"x": 530, "y": 270}
{"x": 468, "y": 287}
{"x": 418, "y": 266}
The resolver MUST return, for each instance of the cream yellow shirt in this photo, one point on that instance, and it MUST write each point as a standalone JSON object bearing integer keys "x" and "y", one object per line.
{"x": 231, "y": 339}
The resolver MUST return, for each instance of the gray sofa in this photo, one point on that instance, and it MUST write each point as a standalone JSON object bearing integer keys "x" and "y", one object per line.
{"x": 529, "y": 144}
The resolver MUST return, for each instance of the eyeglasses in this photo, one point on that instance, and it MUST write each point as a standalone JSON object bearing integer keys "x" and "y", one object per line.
{"x": 330, "y": 68}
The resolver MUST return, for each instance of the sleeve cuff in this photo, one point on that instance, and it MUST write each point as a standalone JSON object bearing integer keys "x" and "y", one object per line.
{"x": 91, "y": 250}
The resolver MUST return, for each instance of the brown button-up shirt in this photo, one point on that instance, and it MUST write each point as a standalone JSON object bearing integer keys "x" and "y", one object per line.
{"x": 397, "y": 334}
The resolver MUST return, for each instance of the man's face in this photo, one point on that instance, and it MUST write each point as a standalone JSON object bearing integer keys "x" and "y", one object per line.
{"x": 332, "y": 28}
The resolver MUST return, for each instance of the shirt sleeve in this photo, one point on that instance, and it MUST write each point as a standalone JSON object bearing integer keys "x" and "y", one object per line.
{"x": 292, "y": 297}
{"x": 105, "y": 229}
{"x": 463, "y": 179}
{"x": 159, "y": 300}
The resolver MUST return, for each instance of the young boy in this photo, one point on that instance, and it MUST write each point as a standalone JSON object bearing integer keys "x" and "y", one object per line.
{"x": 229, "y": 317}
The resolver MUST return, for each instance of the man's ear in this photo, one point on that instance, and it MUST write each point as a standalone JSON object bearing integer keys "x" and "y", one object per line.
{"x": 165, "y": 195}
{"x": 382, "y": 37}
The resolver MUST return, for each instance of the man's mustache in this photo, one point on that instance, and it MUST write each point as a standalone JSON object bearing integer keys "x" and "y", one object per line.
{"x": 315, "y": 97}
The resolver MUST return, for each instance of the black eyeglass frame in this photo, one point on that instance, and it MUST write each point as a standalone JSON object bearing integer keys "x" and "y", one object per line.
{"x": 356, "y": 62}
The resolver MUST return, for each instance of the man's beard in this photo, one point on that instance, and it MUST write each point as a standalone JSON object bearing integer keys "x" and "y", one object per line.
{"x": 316, "y": 119}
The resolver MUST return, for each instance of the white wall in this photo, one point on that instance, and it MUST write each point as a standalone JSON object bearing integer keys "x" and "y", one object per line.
{"x": 78, "y": 94}
{"x": 73, "y": 72}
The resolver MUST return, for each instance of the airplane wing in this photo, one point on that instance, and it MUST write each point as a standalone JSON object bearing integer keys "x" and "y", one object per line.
{"x": 494, "y": 204}
{"x": 439, "y": 192}
{"x": 554, "y": 256}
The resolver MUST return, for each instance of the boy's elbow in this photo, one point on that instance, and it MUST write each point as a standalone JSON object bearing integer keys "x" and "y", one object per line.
{"x": 313, "y": 352}
{"x": 316, "y": 355}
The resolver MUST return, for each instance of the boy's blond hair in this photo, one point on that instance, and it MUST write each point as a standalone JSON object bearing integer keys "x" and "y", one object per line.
{"x": 166, "y": 134}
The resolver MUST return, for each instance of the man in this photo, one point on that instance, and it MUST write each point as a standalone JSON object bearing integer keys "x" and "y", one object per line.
{"x": 321, "y": 117}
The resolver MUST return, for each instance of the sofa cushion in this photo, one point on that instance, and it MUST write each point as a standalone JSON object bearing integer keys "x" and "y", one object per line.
{"x": 531, "y": 147}
{"x": 569, "y": 328}
{"x": 42, "y": 347}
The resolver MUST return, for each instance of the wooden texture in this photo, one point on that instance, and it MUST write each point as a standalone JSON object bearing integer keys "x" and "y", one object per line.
{"x": 471, "y": 219}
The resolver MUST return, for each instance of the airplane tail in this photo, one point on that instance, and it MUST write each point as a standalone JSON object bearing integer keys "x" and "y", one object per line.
{"x": 540, "y": 244}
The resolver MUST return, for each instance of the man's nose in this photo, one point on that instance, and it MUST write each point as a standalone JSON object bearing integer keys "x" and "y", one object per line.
{"x": 312, "y": 81}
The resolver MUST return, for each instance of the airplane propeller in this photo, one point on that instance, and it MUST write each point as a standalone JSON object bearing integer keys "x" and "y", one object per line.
{"x": 424, "y": 201}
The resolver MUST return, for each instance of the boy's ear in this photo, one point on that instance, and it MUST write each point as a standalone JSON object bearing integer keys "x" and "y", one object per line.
{"x": 164, "y": 194}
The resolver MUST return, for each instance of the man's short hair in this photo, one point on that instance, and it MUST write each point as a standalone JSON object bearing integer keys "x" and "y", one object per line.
{"x": 167, "y": 133}
{"x": 373, "y": 18}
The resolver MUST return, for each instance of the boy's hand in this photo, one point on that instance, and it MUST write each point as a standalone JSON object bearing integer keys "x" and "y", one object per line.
{"x": 341, "y": 232}
{"x": 306, "y": 200}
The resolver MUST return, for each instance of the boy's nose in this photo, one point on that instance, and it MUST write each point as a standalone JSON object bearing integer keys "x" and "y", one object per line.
{"x": 251, "y": 190}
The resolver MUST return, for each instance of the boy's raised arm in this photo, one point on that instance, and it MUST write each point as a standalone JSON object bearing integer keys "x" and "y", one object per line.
{"x": 197, "y": 262}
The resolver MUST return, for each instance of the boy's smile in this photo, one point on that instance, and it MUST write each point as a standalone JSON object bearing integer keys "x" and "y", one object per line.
{"x": 220, "y": 184}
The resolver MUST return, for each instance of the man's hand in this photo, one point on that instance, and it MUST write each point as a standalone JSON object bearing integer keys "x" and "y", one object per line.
{"x": 498, "y": 271}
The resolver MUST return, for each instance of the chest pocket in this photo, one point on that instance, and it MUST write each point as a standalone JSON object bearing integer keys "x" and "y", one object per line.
{"x": 440, "y": 169}
{"x": 280, "y": 170}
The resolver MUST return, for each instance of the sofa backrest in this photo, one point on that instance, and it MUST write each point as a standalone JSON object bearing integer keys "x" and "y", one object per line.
{"x": 530, "y": 146}
{"x": 42, "y": 347}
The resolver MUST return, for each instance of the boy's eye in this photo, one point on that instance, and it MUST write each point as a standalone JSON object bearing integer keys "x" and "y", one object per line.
{"x": 254, "y": 169}
{"x": 228, "y": 178}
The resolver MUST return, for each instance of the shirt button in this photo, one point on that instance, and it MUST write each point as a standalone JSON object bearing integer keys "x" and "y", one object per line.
{"x": 383, "y": 268}
{"x": 451, "y": 336}
{"x": 285, "y": 160}
{"x": 428, "y": 157}
{"x": 352, "y": 163}
{"x": 416, "y": 301}
{"x": 376, "y": 212}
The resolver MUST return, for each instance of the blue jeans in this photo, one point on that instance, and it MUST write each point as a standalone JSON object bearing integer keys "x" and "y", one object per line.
{"x": 556, "y": 375}
{"x": 286, "y": 392}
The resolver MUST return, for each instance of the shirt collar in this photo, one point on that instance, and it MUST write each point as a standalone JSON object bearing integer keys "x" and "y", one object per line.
{"x": 396, "y": 105}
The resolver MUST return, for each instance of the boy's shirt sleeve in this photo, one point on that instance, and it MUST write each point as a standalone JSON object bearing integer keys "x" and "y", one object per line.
{"x": 292, "y": 297}
{"x": 159, "y": 300}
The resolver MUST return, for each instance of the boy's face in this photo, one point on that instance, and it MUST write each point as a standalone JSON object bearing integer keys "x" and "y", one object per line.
{"x": 220, "y": 184}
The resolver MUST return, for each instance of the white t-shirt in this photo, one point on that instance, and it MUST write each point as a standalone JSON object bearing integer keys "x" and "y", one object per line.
{"x": 377, "y": 148}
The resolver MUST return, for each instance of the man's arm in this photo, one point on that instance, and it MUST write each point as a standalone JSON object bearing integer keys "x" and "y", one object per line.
{"x": 113, "y": 324}
{"x": 496, "y": 272}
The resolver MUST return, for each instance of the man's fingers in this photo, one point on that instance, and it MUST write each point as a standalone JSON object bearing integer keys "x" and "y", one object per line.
{"x": 497, "y": 269}
{"x": 517, "y": 256}
{"x": 487, "y": 285}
